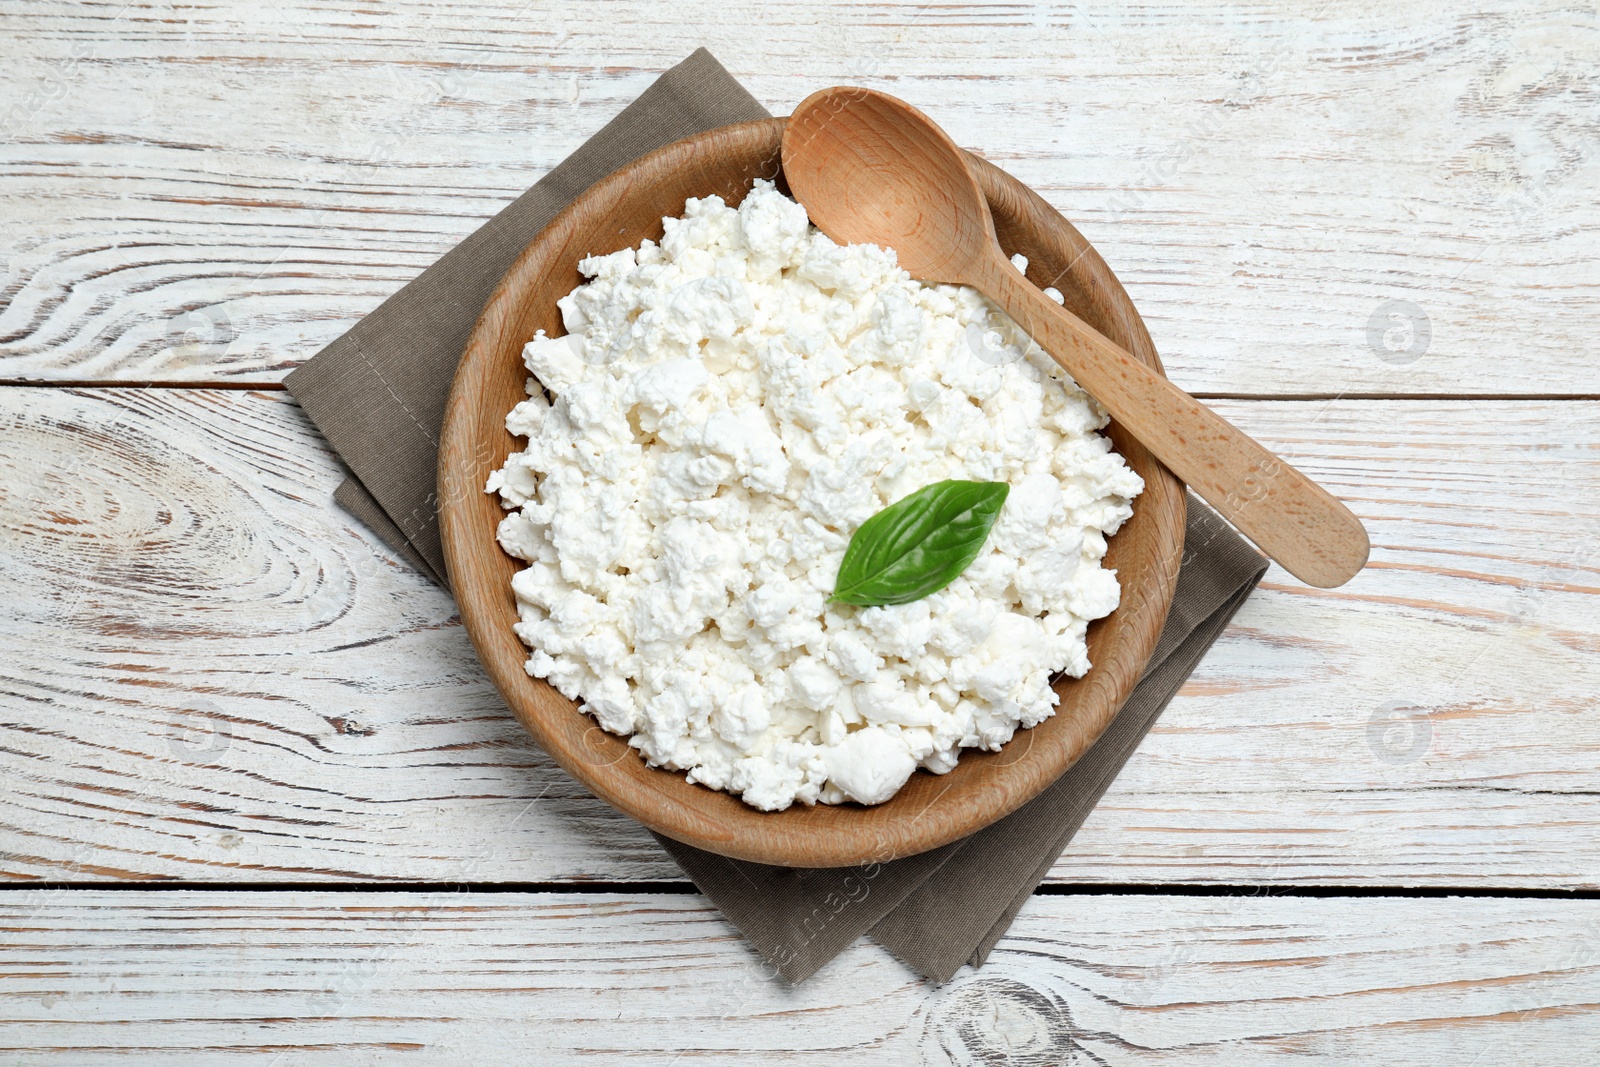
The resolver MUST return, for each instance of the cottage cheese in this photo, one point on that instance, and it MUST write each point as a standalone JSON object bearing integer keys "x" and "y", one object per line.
{"x": 724, "y": 410}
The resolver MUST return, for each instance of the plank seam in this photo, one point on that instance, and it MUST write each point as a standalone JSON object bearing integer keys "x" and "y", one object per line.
{"x": 1057, "y": 889}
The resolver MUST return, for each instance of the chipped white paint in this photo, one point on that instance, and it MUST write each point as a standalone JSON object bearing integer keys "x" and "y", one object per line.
{"x": 360, "y": 978}
{"x": 1378, "y": 198}
{"x": 212, "y": 673}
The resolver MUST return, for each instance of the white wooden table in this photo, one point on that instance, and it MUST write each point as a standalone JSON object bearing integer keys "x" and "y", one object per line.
{"x": 260, "y": 804}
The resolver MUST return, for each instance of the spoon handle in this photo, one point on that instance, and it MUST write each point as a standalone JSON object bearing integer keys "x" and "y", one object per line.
{"x": 1291, "y": 518}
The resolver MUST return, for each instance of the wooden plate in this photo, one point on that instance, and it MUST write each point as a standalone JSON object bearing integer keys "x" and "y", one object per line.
{"x": 931, "y": 810}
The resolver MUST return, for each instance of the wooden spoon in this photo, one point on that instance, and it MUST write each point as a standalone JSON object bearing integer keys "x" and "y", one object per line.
{"x": 871, "y": 169}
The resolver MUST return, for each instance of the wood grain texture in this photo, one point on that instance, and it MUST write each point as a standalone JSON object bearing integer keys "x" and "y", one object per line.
{"x": 208, "y": 673}
{"x": 1364, "y": 198}
{"x": 619, "y": 212}
{"x": 359, "y": 978}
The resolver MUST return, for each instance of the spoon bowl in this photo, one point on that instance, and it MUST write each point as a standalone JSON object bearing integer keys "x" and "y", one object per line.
{"x": 857, "y": 156}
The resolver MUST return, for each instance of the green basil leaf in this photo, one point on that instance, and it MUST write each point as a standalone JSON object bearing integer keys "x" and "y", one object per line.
{"x": 919, "y": 544}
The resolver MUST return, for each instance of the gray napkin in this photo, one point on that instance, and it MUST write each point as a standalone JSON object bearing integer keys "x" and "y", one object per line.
{"x": 378, "y": 395}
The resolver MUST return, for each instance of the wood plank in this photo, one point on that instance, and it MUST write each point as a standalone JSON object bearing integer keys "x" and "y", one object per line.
{"x": 1374, "y": 199}
{"x": 208, "y": 672}
{"x": 354, "y": 978}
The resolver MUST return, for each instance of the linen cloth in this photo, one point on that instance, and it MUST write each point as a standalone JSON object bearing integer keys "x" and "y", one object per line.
{"x": 378, "y": 395}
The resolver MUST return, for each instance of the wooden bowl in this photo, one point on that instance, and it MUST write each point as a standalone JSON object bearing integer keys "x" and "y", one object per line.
{"x": 931, "y": 810}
